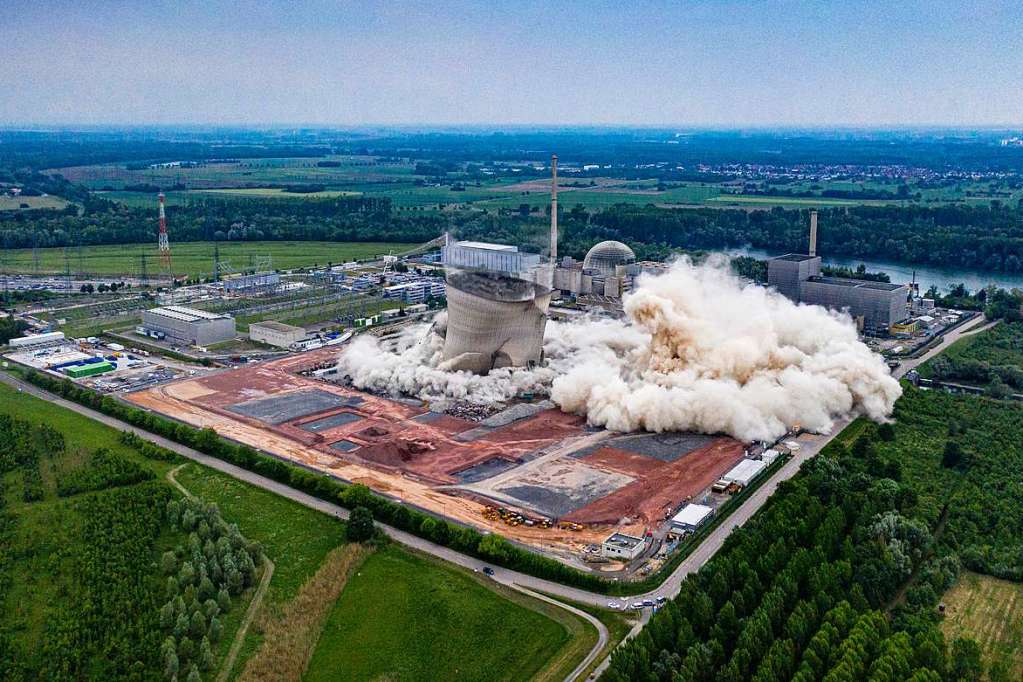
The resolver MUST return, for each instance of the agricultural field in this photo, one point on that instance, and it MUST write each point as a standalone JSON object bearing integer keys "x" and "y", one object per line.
{"x": 396, "y": 179}
{"x": 194, "y": 259}
{"x": 990, "y": 611}
{"x": 9, "y": 203}
{"x": 405, "y": 617}
{"x": 244, "y": 173}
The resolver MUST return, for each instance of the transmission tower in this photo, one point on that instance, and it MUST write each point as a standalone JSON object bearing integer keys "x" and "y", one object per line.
{"x": 216, "y": 262}
{"x": 67, "y": 273}
{"x": 35, "y": 256}
{"x": 164, "y": 242}
{"x": 143, "y": 272}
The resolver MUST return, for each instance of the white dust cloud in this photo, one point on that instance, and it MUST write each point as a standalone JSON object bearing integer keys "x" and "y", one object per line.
{"x": 698, "y": 351}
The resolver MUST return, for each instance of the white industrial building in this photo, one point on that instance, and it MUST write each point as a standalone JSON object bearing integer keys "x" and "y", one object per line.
{"x": 276, "y": 333}
{"x": 417, "y": 291}
{"x": 486, "y": 256}
{"x": 623, "y": 547}
{"x": 189, "y": 326}
{"x": 37, "y": 340}
{"x": 691, "y": 517}
{"x": 236, "y": 283}
{"x": 744, "y": 472}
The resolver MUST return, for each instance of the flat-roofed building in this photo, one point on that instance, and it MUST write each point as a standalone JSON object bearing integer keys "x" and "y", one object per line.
{"x": 276, "y": 333}
{"x": 487, "y": 256}
{"x": 691, "y": 517}
{"x": 623, "y": 547}
{"x": 878, "y": 304}
{"x": 787, "y": 273}
{"x": 189, "y": 326}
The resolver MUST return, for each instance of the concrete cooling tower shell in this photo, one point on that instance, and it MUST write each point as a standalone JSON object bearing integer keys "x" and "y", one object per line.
{"x": 606, "y": 256}
{"x": 494, "y": 321}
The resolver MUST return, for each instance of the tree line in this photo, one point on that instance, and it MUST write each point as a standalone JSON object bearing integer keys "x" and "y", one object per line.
{"x": 981, "y": 237}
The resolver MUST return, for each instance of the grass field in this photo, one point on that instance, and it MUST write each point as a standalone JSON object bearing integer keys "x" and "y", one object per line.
{"x": 194, "y": 258}
{"x": 402, "y": 617}
{"x": 8, "y": 203}
{"x": 438, "y": 613}
{"x": 990, "y": 611}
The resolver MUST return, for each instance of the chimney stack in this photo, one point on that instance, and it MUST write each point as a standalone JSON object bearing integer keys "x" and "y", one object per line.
{"x": 813, "y": 233}
{"x": 554, "y": 211}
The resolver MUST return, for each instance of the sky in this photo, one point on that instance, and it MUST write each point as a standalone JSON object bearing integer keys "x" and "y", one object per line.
{"x": 626, "y": 62}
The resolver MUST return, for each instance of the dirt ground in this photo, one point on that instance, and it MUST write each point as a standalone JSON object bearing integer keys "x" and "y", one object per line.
{"x": 403, "y": 451}
{"x": 654, "y": 496}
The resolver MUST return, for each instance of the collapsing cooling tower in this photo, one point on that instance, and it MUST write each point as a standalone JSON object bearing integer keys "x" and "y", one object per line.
{"x": 494, "y": 321}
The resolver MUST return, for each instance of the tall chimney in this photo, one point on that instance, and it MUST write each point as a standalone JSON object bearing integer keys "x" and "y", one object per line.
{"x": 554, "y": 211}
{"x": 813, "y": 233}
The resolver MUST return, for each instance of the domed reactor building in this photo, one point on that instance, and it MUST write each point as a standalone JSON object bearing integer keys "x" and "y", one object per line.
{"x": 605, "y": 257}
{"x": 497, "y": 312}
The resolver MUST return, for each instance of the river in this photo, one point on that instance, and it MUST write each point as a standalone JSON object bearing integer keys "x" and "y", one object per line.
{"x": 926, "y": 275}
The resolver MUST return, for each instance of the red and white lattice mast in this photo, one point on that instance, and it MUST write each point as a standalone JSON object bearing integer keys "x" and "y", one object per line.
{"x": 164, "y": 243}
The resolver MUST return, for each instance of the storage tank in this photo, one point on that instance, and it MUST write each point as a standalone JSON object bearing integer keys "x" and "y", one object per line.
{"x": 494, "y": 320}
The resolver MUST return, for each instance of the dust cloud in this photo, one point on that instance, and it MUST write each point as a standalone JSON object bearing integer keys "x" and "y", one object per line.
{"x": 698, "y": 350}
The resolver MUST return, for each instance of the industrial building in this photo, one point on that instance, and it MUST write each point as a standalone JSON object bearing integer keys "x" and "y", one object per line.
{"x": 622, "y": 546}
{"x": 875, "y": 306}
{"x": 608, "y": 269}
{"x": 691, "y": 517}
{"x": 486, "y": 256}
{"x": 743, "y": 473}
{"x": 276, "y": 333}
{"x": 37, "y": 340}
{"x": 189, "y": 326}
{"x": 259, "y": 280}
{"x": 416, "y": 291}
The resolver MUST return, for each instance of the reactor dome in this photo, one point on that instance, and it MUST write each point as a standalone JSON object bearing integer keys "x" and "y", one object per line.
{"x": 606, "y": 256}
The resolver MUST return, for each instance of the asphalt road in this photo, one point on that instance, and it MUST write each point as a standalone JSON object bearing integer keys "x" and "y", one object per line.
{"x": 810, "y": 445}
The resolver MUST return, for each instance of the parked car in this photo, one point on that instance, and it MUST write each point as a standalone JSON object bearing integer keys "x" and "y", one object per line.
{"x": 612, "y": 605}
{"x": 488, "y": 571}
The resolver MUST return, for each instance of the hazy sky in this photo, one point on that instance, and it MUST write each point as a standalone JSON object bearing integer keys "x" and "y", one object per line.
{"x": 444, "y": 61}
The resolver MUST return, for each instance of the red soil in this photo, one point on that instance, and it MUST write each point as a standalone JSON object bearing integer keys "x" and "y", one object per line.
{"x": 653, "y": 497}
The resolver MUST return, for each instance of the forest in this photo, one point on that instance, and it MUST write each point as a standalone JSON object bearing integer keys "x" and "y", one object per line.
{"x": 839, "y": 576}
{"x": 993, "y": 358}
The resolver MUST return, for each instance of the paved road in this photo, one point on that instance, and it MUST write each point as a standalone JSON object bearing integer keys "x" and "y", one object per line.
{"x": 602, "y": 634}
{"x": 972, "y": 327}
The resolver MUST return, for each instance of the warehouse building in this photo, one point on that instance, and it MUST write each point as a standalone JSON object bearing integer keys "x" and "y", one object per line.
{"x": 691, "y": 517}
{"x": 276, "y": 334}
{"x": 189, "y": 326}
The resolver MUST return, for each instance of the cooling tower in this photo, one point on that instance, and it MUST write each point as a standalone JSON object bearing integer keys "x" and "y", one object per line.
{"x": 494, "y": 320}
